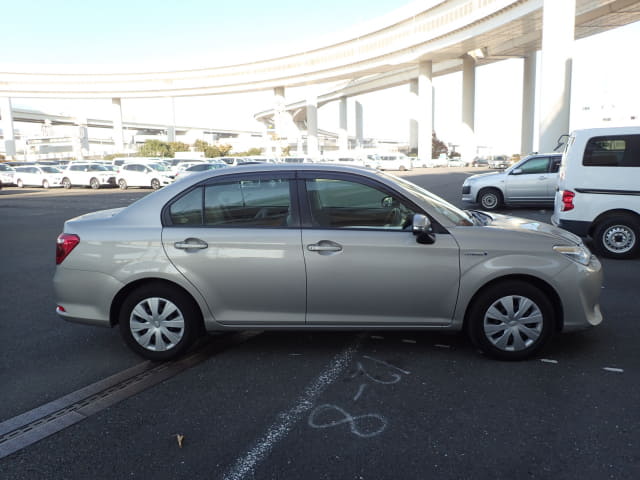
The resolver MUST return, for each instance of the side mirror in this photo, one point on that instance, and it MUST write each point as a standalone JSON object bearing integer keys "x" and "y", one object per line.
{"x": 516, "y": 171}
{"x": 422, "y": 229}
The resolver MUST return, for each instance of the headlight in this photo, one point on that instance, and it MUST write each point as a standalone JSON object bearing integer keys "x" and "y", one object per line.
{"x": 577, "y": 253}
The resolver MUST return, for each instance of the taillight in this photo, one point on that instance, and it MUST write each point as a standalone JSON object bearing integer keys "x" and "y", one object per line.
{"x": 567, "y": 200}
{"x": 65, "y": 243}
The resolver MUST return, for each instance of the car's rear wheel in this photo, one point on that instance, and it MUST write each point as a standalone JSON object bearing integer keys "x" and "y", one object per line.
{"x": 45, "y": 184}
{"x": 490, "y": 198}
{"x": 155, "y": 184}
{"x": 159, "y": 322}
{"x": 122, "y": 184}
{"x": 94, "y": 183}
{"x": 617, "y": 236}
{"x": 66, "y": 183}
{"x": 510, "y": 320}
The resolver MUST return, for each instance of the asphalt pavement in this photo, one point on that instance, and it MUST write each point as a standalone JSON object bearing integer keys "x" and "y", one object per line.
{"x": 322, "y": 405}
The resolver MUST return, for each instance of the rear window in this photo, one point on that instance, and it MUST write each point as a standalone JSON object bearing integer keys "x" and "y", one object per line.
{"x": 612, "y": 151}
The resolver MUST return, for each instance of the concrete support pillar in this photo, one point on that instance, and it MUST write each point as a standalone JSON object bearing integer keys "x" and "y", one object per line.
{"x": 81, "y": 142}
{"x": 278, "y": 120}
{"x": 118, "y": 135}
{"x": 171, "y": 129}
{"x": 468, "y": 142}
{"x": 415, "y": 112}
{"x": 7, "y": 127}
{"x": 425, "y": 110}
{"x": 359, "y": 130}
{"x": 528, "y": 103}
{"x": 558, "y": 26}
{"x": 343, "y": 133}
{"x": 312, "y": 126}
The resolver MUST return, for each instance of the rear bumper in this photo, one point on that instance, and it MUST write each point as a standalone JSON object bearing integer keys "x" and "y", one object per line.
{"x": 579, "y": 227}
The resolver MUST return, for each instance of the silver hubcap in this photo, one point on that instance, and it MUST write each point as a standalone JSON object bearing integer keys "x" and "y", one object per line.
{"x": 489, "y": 200}
{"x": 513, "y": 323}
{"x": 157, "y": 324}
{"x": 619, "y": 239}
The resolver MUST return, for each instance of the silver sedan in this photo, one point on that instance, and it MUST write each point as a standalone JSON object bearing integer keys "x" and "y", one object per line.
{"x": 319, "y": 247}
{"x": 531, "y": 181}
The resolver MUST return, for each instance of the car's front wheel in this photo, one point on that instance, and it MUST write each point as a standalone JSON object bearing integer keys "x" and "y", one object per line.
{"x": 490, "y": 198}
{"x": 66, "y": 183}
{"x": 617, "y": 236}
{"x": 159, "y": 322}
{"x": 122, "y": 184}
{"x": 94, "y": 183}
{"x": 45, "y": 184}
{"x": 510, "y": 320}
{"x": 155, "y": 184}
{"x": 20, "y": 183}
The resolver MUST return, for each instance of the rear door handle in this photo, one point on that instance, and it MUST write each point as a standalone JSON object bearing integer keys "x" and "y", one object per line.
{"x": 191, "y": 244}
{"x": 324, "y": 246}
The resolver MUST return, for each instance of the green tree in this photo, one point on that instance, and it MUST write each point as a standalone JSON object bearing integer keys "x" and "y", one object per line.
{"x": 200, "y": 145}
{"x": 178, "y": 147}
{"x": 437, "y": 146}
{"x": 155, "y": 148}
{"x": 212, "y": 151}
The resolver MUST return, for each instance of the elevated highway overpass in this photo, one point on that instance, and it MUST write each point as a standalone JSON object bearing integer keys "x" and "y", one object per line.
{"x": 408, "y": 46}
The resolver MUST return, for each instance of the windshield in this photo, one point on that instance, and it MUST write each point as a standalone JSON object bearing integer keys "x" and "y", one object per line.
{"x": 457, "y": 216}
{"x": 50, "y": 170}
{"x": 158, "y": 166}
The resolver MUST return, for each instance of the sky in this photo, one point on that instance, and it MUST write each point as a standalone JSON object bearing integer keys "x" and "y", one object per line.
{"x": 139, "y": 35}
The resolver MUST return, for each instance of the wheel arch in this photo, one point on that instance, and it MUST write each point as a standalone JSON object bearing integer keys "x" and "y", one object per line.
{"x": 610, "y": 213}
{"x": 118, "y": 300}
{"x": 543, "y": 286}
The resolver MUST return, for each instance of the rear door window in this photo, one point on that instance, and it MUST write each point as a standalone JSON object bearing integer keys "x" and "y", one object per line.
{"x": 612, "y": 151}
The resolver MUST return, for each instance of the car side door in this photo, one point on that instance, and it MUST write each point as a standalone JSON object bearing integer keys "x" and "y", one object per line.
{"x": 528, "y": 183}
{"x": 237, "y": 240}
{"x": 364, "y": 265}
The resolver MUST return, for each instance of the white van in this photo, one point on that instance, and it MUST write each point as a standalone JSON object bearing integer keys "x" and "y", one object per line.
{"x": 599, "y": 189}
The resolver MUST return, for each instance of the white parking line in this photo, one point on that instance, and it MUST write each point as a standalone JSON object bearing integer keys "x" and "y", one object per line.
{"x": 246, "y": 464}
{"x": 547, "y": 360}
{"x": 615, "y": 370}
{"x": 406, "y": 340}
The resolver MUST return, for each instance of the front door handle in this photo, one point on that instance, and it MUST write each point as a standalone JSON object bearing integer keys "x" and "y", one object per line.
{"x": 324, "y": 246}
{"x": 191, "y": 244}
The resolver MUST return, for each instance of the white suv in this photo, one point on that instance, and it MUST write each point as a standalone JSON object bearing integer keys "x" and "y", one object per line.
{"x": 91, "y": 175}
{"x": 143, "y": 175}
{"x": 598, "y": 189}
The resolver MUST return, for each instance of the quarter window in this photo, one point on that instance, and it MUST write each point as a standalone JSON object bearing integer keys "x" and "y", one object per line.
{"x": 615, "y": 151}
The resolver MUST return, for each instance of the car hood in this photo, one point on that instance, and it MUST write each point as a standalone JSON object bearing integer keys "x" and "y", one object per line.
{"x": 523, "y": 225}
{"x": 489, "y": 176}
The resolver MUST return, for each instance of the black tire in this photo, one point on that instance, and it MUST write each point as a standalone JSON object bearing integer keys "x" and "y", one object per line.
{"x": 490, "y": 199}
{"x": 45, "y": 184}
{"x": 19, "y": 183}
{"x": 617, "y": 236}
{"x": 502, "y": 335}
{"x": 66, "y": 183}
{"x": 122, "y": 184}
{"x": 155, "y": 184}
{"x": 94, "y": 183}
{"x": 172, "y": 335}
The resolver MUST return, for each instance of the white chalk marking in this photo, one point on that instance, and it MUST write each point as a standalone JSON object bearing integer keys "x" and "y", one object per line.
{"x": 611, "y": 369}
{"x": 440, "y": 345}
{"x": 377, "y": 337}
{"x": 547, "y": 360}
{"x": 246, "y": 465}
{"x": 360, "y": 390}
{"x": 348, "y": 418}
{"x": 406, "y": 340}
